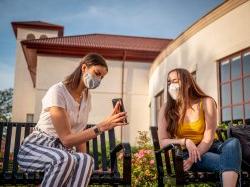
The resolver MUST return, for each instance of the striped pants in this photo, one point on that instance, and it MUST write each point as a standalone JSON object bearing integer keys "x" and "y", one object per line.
{"x": 61, "y": 166}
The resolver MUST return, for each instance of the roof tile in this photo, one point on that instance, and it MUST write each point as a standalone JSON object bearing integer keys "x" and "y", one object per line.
{"x": 104, "y": 41}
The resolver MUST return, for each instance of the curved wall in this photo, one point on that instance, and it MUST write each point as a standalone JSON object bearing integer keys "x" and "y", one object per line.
{"x": 222, "y": 32}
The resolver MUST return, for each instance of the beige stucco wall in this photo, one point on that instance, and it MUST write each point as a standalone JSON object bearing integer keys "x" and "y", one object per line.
{"x": 23, "y": 32}
{"x": 228, "y": 34}
{"x": 136, "y": 99}
{"x": 24, "y": 93}
{"x": 51, "y": 69}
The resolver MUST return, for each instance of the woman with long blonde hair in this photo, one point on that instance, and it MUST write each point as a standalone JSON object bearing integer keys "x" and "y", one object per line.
{"x": 189, "y": 118}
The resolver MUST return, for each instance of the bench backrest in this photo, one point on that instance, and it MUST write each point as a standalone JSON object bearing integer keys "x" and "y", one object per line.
{"x": 168, "y": 155}
{"x": 12, "y": 135}
{"x": 100, "y": 148}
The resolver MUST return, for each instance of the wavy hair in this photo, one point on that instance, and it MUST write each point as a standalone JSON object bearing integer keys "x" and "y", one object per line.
{"x": 175, "y": 111}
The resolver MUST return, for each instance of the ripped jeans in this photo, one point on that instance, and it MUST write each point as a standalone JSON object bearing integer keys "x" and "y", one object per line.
{"x": 221, "y": 157}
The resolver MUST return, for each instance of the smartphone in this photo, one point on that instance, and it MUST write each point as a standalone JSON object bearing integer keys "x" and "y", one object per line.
{"x": 122, "y": 109}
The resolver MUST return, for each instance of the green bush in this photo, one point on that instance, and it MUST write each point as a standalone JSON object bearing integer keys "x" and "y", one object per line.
{"x": 143, "y": 163}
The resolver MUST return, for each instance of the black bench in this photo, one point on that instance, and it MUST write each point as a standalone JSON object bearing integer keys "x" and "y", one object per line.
{"x": 170, "y": 171}
{"x": 105, "y": 165}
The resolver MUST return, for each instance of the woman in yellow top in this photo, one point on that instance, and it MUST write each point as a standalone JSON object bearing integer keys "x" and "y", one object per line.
{"x": 189, "y": 118}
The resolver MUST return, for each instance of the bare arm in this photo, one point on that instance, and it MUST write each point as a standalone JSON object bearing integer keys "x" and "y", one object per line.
{"x": 61, "y": 123}
{"x": 81, "y": 148}
{"x": 68, "y": 138}
{"x": 164, "y": 136}
{"x": 209, "y": 108}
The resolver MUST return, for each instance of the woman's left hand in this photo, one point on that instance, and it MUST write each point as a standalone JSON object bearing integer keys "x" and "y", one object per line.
{"x": 187, "y": 164}
{"x": 193, "y": 152}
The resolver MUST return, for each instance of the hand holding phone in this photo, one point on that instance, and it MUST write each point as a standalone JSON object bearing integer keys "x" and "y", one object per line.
{"x": 121, "y": 106}
{"x": 117, "y": 117}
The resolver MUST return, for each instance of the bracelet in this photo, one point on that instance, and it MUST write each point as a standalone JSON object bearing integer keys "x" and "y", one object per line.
{"x": 97, "y": 131}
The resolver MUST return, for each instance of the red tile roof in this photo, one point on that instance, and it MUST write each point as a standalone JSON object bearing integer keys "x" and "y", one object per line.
{"x": 104, "y": 41}
{"x": 115, "y": 47}
{"x": 37, "y": 25}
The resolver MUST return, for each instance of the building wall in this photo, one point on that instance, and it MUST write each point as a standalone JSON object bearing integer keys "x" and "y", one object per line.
{"x": 226, "y": 35}
{"x": 51, "y": 69}
{"x": 136, "y": 99}
{"x": 22, "y": 82}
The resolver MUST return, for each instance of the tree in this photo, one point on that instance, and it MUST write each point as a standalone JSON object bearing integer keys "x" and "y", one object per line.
{"x": 6, "y": 104}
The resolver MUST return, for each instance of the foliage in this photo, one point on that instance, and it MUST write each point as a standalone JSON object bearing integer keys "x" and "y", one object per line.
{"x": 224, "y": 125}
{"x": 143, "y": 164}
{"x": 6, "y": 104}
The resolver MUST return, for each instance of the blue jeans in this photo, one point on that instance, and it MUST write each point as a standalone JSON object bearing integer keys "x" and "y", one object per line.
{"x": 221, "y": 157}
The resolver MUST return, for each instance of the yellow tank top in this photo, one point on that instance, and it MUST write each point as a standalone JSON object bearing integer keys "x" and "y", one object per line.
{"x": 193, "y": 130}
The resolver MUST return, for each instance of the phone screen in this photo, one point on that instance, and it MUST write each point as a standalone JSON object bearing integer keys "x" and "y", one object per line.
{"x": 122, "y": 109}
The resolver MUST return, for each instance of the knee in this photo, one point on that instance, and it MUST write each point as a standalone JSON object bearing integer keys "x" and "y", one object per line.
{"x": 89, "y": 157}
{"x": 67, "y": 160}
{"x": 233, "y": 144}
{"x": 89, "y": 160}
{"x": 84, "y": 158}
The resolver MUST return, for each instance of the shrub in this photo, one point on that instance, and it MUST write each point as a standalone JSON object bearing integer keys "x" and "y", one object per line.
{"x": 143, "y": 163}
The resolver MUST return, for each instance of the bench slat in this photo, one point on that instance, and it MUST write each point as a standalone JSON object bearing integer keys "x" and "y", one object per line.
{"x": 1, "y": 135}
{"x": 155, "y": 138}
{"x": 95, "y": 153}
{"x": 168, "y": 164}
{"x": 17, "y": 145}
{"x": 87, "y": 146}
{"x": 7, "y": 147}
{"x": 111, "y": 139}
{"x": 111, "y": 133}
{"x": 27, "y": 130}
{"x": 103, "y": 148}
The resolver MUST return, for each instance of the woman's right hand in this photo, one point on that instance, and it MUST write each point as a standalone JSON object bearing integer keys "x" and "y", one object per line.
{"x": 115, "y": 119}
{"x": 193, "y": 151}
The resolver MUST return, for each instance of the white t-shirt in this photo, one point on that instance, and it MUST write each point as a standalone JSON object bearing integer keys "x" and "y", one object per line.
{"x": 59, "y": 96}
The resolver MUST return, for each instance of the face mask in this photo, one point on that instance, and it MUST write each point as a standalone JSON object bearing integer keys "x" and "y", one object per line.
{"x": 174, "y": 90}
{"x": 90, "y": 81}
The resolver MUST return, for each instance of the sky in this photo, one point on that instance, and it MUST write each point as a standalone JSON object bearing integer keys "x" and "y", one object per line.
{"x": 149, "y": 18}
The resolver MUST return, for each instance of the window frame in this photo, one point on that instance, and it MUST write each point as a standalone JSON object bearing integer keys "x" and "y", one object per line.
{"x": 160, "y": 96}
{"x": 30, "y": 36}
{"x": 240, "y": 78}
{"x": 28, "y": 117}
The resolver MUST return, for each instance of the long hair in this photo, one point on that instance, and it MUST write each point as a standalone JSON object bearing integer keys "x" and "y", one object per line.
{"x": 91, "y": 59}
{"x": 175, "y": 111}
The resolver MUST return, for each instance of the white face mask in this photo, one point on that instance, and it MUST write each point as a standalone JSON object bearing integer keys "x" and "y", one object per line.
{"x": 90, "y": 81}
{"x": 174, "y": 90}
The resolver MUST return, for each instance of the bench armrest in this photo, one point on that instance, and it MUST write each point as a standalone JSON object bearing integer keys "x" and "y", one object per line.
{"x": 166, "y": 148}
{"x": 126, "y": 160}
{"x": 177, "y": 159}
{"x": 175, "y": 147}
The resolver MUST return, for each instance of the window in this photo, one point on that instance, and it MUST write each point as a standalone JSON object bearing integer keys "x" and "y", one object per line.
{"x": 30, "y": 118}
{"x": 234, "y": 79}
{"x": 30, "y": 37}
{"x": 43, "y": 36}
{"x": 159, "y": 98}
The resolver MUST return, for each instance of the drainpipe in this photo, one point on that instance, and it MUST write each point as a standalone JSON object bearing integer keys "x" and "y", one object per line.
{"x": 122, "y": 91}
